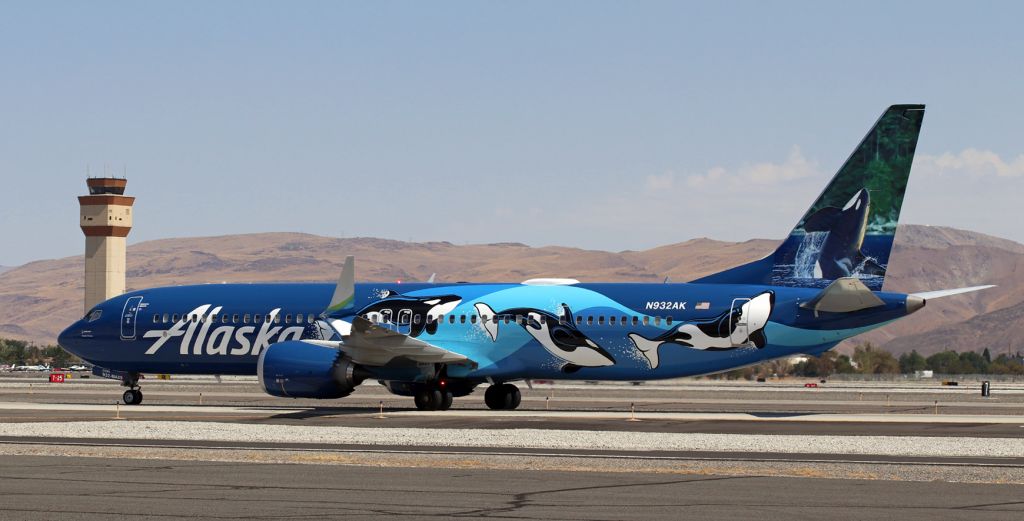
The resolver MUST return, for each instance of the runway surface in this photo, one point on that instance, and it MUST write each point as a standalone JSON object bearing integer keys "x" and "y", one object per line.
{"x": 96, "y": 488}
{"x": 917, "y": 450}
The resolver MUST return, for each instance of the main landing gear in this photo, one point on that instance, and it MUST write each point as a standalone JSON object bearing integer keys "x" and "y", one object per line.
{"x": 503, "y": 397}
{"x": 433, "y": 399}
{"x": 133, "y": 396}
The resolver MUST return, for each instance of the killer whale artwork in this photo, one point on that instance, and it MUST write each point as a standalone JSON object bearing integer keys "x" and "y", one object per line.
{"x": 850, "y": 228}
{"x": 840, "y": 254}
{"x": 558, "y": 335}
{"x": 736, "y": 327}
{"x": 421, "y": 313}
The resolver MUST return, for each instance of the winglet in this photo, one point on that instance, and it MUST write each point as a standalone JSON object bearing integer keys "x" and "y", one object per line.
{"x": 345, "y": 292}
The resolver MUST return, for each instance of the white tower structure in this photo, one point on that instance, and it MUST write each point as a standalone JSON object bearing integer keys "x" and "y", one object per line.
{"x": 106, "y": 219}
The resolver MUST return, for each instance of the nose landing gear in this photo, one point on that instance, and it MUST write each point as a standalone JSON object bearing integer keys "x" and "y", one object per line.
{"x": 133, "y": 396}
{"x": 503, "y": 397}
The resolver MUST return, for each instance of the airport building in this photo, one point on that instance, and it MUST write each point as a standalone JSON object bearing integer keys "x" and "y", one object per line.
{"x": 106, "y": 220}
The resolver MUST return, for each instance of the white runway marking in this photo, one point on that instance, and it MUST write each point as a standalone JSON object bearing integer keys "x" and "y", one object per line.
{"x": 525, "y": 438}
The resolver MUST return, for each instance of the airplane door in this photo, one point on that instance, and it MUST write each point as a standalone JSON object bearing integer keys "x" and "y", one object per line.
{"x": 128, "y": 318}
{"x": 738, "y": 323}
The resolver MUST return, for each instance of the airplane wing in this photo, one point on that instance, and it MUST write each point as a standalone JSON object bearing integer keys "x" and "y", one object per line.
{"x": 370, "y": 344}
{"x": 949, "y": 292}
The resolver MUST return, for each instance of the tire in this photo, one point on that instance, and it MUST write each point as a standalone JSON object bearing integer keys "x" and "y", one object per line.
{"x": 494, "y": 397}
{"x": 422, "y": 400}
{"x": 132, "y": 397}
{"x": 446, "y": 401}
{"x": 514, "y": 396}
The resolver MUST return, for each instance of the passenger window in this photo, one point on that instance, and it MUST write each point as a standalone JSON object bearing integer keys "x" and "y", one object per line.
{"x": 224, "y": 318}
{"x": 508, "y": 319}
{"x": 611, "y": 321}
{"x": 245, "y": 318}
{"x": 668, "y": 321}
{"x": 462, "y": 319}
{"x": 451, "y": 319}
{"x": 623, "y": 320}
{"x": 416, "y": 319}
{"x": 385, "y": 315}
{"x": 647, "y": 321}
{"x": 194, "y": 318}
{"x": 166, "y": 318}
{"x": 636, "y": 320}
{"x": 561, "y": 320}
{"x": 484, "y": 318}
{"x": 472, "y": 319}
{"x": 213, "y": 318}
{"x": 277, "y": 319}
{"x": 156, "y": 318}
{"x": 600, "y": 320}
{"x": 298, "y": 319}
{"x": 174, "y": 317}
{"x": 309, "y": 318}
{"x": 579, "y": 320}
{"x": 657, "y": 321}
{"x": 543, "y": 319}
{"x": 288, "y": 318}
{"x": 256, "y": 319}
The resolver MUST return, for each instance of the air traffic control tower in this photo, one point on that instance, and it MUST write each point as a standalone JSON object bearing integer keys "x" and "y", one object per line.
{"x": 106, "y": 219}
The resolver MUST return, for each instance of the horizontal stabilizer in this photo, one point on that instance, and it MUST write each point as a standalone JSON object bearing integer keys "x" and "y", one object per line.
{"x": 845, "y": 295}
{"x": 373, "y": 345}
{"x": 929, "y": 295}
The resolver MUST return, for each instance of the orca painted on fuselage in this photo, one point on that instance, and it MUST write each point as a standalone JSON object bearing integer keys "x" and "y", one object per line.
{"x": 419, "y": 314}
{"x": 841, "y": 254}
{"x": 736, "y": 327}
{"x": 558, "y": 335}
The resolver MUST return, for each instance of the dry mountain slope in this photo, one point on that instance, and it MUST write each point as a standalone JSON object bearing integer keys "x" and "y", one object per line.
{"x": 39, "y": 298}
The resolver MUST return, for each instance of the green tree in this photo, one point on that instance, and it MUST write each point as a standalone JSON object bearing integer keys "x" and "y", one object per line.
{"x": 986, "y": 355}
{"x": 872, "y": 360}
{"x": 946, "y": 362}
{"x": 912, "y": 362}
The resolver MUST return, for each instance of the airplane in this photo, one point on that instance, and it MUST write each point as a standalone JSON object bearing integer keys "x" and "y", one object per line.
{"x": 435, "y": 342}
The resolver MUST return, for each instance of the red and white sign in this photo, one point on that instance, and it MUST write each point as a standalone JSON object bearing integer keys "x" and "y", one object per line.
{"x": 56, "y": 378}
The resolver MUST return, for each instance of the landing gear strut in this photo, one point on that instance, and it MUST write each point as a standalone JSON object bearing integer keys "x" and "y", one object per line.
{"x": 503, "y": 397}
{"x": 433, "y": 399}
{"x": 133, "y": 396}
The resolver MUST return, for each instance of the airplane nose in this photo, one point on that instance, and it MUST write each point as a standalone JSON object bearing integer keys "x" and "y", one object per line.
{"x": 66, "y": 338}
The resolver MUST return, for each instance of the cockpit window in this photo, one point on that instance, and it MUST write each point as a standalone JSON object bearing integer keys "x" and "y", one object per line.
{"x": 94, "y": 315}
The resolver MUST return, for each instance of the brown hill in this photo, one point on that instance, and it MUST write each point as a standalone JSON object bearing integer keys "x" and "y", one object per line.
{"x": 39, "y": 298}
{"x": 996, "y": 331}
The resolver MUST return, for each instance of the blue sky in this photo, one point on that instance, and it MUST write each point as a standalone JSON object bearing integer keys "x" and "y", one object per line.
{"x": 619, "y": 125}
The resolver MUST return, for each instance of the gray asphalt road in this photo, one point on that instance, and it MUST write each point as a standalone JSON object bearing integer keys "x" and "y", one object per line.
{"x": 68, "y": 488}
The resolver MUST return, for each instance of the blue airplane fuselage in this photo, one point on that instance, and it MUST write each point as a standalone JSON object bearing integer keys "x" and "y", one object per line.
{"x": 222, "y": 329}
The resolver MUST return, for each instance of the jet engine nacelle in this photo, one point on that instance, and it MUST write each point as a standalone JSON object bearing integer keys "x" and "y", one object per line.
{"x": 298, "y": 369}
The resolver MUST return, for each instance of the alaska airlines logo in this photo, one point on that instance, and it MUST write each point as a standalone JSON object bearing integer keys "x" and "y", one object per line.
{"x": 207, "y": 337}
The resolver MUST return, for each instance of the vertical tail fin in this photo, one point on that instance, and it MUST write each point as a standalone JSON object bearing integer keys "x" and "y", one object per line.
{"x": 849, "y": 230}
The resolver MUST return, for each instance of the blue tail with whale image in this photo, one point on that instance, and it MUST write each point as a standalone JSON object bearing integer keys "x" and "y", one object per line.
{"x": 850, "y": 228}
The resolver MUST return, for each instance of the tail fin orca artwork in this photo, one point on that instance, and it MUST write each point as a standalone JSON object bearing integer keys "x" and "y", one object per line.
{"x": 850, "y": 228}
{"x": 437, "y": 341}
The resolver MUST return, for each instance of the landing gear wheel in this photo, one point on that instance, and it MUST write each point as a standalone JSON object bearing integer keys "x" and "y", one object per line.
{"x": 514, "y": 396}
{"x": 429, "y": 399}
{"x": 503, "y": 397}
{"x": 132, "y": 397}
{"x": 446, "y": 401}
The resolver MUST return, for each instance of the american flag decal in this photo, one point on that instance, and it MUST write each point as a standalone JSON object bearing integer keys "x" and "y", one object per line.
{"x": 703, "y": 305}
